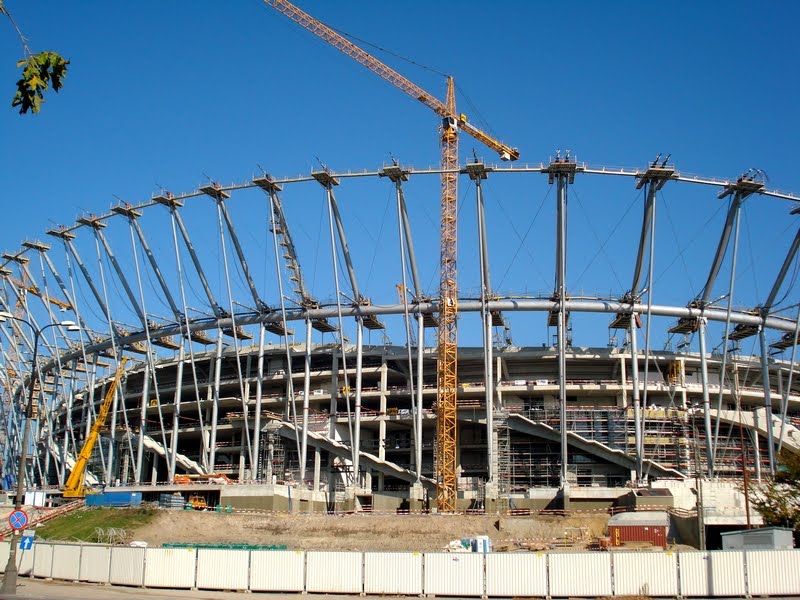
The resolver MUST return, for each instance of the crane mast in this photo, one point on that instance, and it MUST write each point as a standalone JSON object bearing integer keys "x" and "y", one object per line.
{"x": 447, "y": 364}
{"x": 446, "y": 489}
{"x": 74, "y": 487}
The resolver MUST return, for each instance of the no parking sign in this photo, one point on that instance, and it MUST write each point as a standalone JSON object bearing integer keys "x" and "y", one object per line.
{"x": 18, "y": 520}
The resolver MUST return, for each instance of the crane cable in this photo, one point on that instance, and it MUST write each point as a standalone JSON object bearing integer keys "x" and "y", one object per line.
{"x": 523, "y": 238}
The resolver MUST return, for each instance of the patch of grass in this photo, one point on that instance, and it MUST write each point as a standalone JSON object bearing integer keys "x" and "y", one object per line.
{"x": 81, "y": 525}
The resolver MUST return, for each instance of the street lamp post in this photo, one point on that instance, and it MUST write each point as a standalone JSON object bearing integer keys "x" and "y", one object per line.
{"x": 9, "y": 586}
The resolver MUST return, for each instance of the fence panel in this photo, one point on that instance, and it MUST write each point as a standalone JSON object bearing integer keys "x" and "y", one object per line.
{"x": 579, "y": 574}
{"x": 24, "y": 561}
{"x": 453, "y": 574}
{"x": 645, "y": 574}
{"x": 277, "y": 571}
{"x": 709, "y": 574}
{"x": 42, "y": 560}
{"x": 170, "y": 567}
{"x": 393, "y": 573}
{"x": 516, "y": 574}
{"x": 773, "y": 572}
{"x": 5, "y": 548}
{"x": 95, "y": 564}
{"x": 222, "y": 569}
{"x": 66, "y": 562}
{"x": 127, "y": 566}
{"x": 334, "y": 572}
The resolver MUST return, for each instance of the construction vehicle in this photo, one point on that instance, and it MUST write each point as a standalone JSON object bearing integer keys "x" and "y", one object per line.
{"x": 197, "y": 502}
{"x": 452, "y": 121}
{"x": 185, "y": 479}
{"x": 75, "y": 487}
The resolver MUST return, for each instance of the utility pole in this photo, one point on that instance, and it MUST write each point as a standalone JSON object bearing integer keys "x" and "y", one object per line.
{"x": 9, "y": 586}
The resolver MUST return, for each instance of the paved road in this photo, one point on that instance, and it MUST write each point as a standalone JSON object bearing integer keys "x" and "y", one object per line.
{"x": 37, "y": 589}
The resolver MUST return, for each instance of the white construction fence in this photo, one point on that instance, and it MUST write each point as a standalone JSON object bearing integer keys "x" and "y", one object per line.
{"x": 714, "y": 574}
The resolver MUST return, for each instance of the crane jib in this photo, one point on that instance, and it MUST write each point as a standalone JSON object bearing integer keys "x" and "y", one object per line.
{"x": 385, "y": 72}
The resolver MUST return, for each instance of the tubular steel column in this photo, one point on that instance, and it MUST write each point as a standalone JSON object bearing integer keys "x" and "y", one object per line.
{"x": 652, "y": 180}
{"x": 357, "y": 432}
{"x": 397, "y": 176}
{"x": 176, "y": 415}
{"x": 212, "y": 450}
{"x": 723, "y": 366}
{"x": 306, "y": 393}
{"x": 742, "y": 188}
{"x": 701, "y": 329}
{"x": 647, "y": 232}
{"x": 733, "y": 211}
{"x": 562, "y": 172}
{"x": 420, "y": 387}
{"x": 562, "y": 359}
{"x": 477, "y": 172}
{"x": 259, "y": 391}
{"x": 637, "y": 407}
{"x": 767, "y": 401}
{"x": 327, "y": 181}
{"x": 142, "y": 421}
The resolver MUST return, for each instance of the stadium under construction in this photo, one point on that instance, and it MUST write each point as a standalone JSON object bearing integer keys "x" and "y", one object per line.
{"x": 241, "y": 377}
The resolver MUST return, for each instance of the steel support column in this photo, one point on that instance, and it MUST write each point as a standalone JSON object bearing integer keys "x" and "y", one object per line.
{"x": 701, "y": 334}
{"x": 306, "y": 393}
{"x": 477, "y": 172}
{"x": 767, "y": 400}
{"x": 397, "y": 176}
{"x": 142, "y": 421}
{"x": 212, "y": 450}
{"x": 637, "y": 405}
{"x": 561, "y": 276}
{"x": 176, "y": 414}
{"x": 259, "y": 392}
{"x": 357, "y": 417}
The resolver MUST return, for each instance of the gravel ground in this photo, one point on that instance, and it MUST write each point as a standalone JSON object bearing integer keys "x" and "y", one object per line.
{"x": 360, "y": 532}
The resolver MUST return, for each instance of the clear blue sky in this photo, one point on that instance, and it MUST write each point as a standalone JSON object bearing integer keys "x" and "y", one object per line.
{"x": 161, "y": 93}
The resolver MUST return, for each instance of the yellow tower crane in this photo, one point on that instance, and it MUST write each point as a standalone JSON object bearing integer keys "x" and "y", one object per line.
{"x": 448, "y": 282}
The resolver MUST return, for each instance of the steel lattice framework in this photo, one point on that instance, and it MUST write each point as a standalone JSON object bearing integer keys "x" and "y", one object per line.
{"x": 182, "y": 294}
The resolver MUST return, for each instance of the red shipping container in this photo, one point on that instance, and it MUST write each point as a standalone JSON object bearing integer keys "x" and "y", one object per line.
{"x": 650, "y": 527}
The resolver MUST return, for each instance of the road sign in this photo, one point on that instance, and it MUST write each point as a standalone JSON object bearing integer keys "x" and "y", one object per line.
{"x": 26, "y": 543}
{"x": 18, "y": 519}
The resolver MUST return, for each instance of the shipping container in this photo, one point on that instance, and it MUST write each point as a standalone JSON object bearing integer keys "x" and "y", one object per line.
{"x": 643, "y": 527}
{"x": 115, "y": 499}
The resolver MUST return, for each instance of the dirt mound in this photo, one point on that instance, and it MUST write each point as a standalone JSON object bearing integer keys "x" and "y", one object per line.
{"x": 360, "y": 532}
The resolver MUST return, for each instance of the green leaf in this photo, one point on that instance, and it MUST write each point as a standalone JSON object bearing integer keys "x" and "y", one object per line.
{"x": 39, "y": 72}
